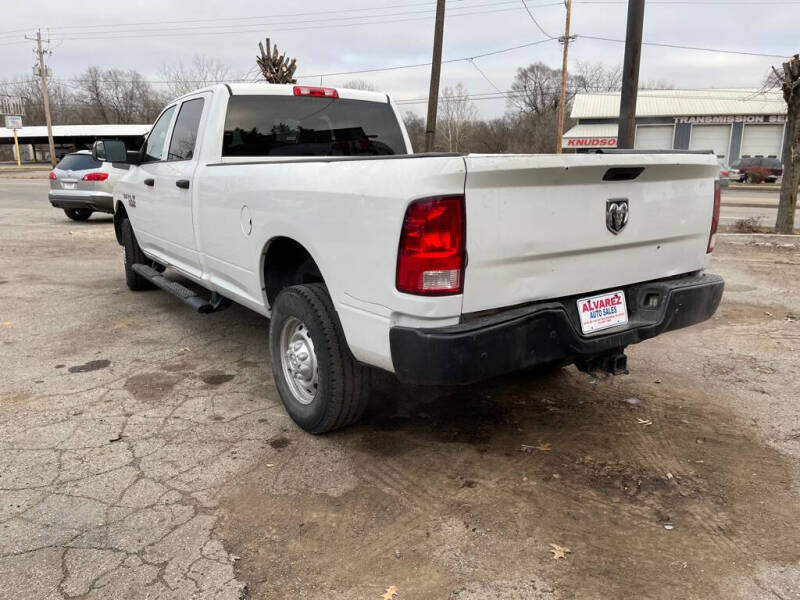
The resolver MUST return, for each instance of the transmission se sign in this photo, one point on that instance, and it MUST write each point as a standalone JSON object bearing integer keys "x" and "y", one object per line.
{"x": 727, "y": 119}
{"x": 590, "y": 142}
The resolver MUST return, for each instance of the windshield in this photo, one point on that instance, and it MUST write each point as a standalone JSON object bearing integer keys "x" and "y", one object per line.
{"x": 291, "y": 126}
{"x": 78, "y": 162}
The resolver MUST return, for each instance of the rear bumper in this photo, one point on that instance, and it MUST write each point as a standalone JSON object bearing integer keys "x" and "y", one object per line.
{"x": 550, "y": 331}
{"x": 98, "y": 201}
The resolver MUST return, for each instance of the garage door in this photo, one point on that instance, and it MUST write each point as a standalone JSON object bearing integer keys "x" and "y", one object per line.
{"x": 762, "y": 140}
{"x": 654, "y": 137}
{"x": 711, "y": 137}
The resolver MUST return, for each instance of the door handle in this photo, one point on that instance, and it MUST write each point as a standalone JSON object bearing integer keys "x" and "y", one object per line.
{"x": 183, "y": 184}
{"x": 150, "y": 182}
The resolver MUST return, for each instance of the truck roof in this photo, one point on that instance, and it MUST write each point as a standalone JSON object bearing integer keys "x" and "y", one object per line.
{"x": 269, "y": 89}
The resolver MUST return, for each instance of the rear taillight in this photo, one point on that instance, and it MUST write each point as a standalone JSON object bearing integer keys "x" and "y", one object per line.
{"x": 52, "y": 175}
{"x": 95, "y": 177}
{"x": 712, "y": 238}
{"x": 317, "y": 92}
{"x": 431, "y": 258}
{"x": 724, "y": 173}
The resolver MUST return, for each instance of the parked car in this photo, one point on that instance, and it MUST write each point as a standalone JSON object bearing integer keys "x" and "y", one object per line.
{"x": 724, "y": 173}
{"x": 81, "y": 184}
{"x": 769, "y": 168}
{"x": 307, "y": 205}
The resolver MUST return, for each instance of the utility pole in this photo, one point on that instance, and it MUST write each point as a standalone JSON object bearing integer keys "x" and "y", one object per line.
{"x": 630, "y": 75}
{"x": 46, "y": 96}
{"x": 562, "y": 106}
{"x": 789, "y": 81}
{"x": 436, "y": 70}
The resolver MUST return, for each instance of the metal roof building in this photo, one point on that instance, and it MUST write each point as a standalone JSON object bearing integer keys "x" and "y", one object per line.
{"x": 732, "y": 123}
{"x": 67, "y": 137}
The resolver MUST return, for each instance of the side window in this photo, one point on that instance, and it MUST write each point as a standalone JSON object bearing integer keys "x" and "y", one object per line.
{"x": 154, "y": 149}
{"x": 184, "y": 134}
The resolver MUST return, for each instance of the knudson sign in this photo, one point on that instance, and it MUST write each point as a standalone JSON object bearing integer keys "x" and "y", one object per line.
{"x": 590, "y": 142}
{"x": 725, "y": 119}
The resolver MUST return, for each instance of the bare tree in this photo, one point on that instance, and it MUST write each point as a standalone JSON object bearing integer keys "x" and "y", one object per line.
{"x": 456, "y": 117}
{"x": 492, "y": 137}
{"x": 536, "y": 89}
{"x": 116, "y": 96}
{"x": 63, "y": 106}
{"x": 360, "y": 84}
{"x": 415, "y": 126}
{"x": 596, "y": 77}
{"x": 789, "y": 79}
{"x": 180, "y": 78}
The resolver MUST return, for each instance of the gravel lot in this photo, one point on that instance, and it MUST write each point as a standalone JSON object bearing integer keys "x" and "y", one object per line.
{"x": 144, "y": 452}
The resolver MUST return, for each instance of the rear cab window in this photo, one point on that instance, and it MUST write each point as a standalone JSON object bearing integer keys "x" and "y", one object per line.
{"x": 262, "y": 125}
{"x": 78, "y": 162}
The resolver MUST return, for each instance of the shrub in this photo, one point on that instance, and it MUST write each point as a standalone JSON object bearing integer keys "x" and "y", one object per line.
{"x": 748, "y": 225}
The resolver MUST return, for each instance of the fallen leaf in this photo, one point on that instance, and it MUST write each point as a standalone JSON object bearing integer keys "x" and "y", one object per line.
{"x": 644, "y": 422}
{"x": 540, "y": 446}
{"x": 559, "y": 551}
{"x": 390, "y": 593}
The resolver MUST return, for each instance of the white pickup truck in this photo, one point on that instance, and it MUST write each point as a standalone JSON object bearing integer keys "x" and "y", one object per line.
{"x": 306, "y": 205}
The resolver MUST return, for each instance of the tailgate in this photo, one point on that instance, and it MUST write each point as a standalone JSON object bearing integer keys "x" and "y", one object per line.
{"x": 536, "y": 225}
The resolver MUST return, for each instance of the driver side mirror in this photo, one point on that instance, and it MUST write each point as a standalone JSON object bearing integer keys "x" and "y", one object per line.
{"x": 113, "y": 151}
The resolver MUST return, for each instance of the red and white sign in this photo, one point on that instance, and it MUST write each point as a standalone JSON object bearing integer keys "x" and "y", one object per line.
{"x": 590, "y": 142}
{"x": 603, "y": 311}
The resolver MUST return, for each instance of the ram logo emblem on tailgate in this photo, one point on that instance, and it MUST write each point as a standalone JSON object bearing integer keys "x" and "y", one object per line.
{"x": 617, "y": 211}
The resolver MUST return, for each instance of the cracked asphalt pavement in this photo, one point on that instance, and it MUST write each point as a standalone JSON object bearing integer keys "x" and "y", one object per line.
{"x": 144, "y": 452}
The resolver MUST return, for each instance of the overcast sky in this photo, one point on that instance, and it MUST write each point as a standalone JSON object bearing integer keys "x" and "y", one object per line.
{"x": 348, "y": 35}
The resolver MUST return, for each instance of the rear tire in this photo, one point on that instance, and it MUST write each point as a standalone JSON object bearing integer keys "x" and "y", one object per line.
{"x": 133, "y": 255}
{"x": 319, "y": 381}
{"x": 78, "y": 214}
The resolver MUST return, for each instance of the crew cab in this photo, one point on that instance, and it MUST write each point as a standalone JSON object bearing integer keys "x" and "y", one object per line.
{"x": 307, "y": 205}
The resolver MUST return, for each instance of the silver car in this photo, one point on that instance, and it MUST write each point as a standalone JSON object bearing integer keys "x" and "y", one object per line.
{"x": 82, "y": 185}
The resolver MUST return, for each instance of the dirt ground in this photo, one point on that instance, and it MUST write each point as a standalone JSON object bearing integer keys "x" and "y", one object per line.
{"x": 144, "y": 452}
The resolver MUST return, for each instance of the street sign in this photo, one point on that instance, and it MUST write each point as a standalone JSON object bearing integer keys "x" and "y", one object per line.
{"x": 13, "y": 122}
{"x": 11, "y": 105}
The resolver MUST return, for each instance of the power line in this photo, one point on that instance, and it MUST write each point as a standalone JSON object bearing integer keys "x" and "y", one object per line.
{"x": 682, "y": 47}
{"x": 329, "y": 22}
{"x": 427, "y": 64}
{"x": 83, "y": 28}
{"x": 500, "y": 95}
{"x": 535, "y": 22}
{"x": 491, "y": 83}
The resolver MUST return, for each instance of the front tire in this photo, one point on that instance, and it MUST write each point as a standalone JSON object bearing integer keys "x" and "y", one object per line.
{"x": 78, "y": 214}
{"x": 133, "y": 255}
{"x": 319, "y": 381}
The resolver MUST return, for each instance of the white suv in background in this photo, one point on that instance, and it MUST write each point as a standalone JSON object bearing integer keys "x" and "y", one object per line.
{"x": 81, "y": 185}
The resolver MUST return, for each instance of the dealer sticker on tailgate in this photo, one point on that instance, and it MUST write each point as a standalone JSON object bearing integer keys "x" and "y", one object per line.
{"x": 603, "y": 311}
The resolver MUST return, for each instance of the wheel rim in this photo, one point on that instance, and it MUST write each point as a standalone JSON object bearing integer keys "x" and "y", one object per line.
{"x": 299, "y": 361}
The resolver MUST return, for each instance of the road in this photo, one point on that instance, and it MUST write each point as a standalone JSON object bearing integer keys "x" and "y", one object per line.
{"x": 761, "y": 206}
{"x": 144, "y": 452}
{"x": 736, "y": 204}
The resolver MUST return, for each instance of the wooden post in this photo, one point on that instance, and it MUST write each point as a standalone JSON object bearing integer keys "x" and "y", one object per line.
{"x": 436, "y": 70}
{"x": 630, "y": 75}
{"x": 562, "y": 106}
{"x": 46, "y": 95}
{"x": 787, "y": 204}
